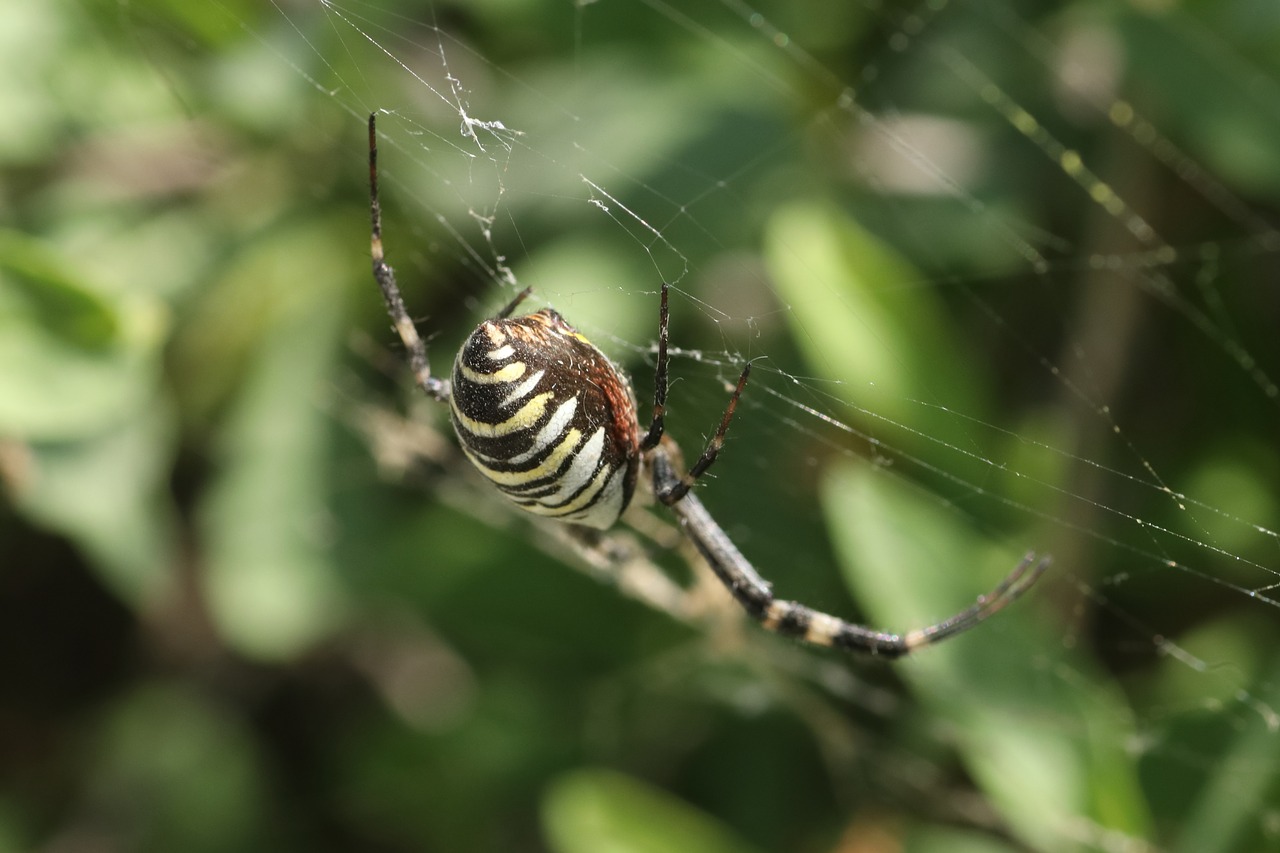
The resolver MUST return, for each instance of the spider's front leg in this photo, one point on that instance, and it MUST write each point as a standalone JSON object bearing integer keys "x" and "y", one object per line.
{"x": 676, "y": 488}
{"x": 386, "y": 278}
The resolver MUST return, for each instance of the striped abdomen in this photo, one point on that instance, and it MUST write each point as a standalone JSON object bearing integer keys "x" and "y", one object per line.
{"x": 547, "y": 418}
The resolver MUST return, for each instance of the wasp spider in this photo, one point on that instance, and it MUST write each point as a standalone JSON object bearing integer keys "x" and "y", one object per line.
{"x": 551, "y": 421}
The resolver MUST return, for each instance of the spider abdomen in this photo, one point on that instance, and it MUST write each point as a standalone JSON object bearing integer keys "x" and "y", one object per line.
{"x": 547, "y": 418}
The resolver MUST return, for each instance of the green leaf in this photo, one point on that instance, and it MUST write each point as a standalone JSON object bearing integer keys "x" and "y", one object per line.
{"x": 601, "y": 811}
{"x": 1240, "y": 793}
{"x": 271, "y": 587}
{"x": 58, "y": 300}
{"x": 71, "y": 362}
{"x": 1048, "y": 751}
{"x": 865, "y": 318}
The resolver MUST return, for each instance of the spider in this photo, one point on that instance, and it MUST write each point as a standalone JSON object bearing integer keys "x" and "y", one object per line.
{"x": 548, "y": 419}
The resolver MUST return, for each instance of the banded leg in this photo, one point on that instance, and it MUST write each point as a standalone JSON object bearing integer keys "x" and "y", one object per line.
{"x": 386, "y": 278}
{"x": 791, "y": 619}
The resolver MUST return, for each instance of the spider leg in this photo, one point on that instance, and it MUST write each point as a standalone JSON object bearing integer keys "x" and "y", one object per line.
{"x": 752, "y": 591}
{"x": 1018, "y": 581}
{"x": 654, "y": 435}
{"x": 513, "y": 304}
{"x": 676, "y": 488}
{"x": 680, "y": 487}
{"x": 792, "y": 619}
{"x": 386, "y": 278}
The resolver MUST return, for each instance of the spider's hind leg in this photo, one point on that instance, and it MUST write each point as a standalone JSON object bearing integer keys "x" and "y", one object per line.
{"x": 792, "y": 619}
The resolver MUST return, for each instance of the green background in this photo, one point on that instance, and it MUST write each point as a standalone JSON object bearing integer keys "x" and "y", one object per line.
{"x": 245, "y": 605}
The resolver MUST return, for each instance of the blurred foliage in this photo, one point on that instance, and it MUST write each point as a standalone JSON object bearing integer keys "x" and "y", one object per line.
{"x": 245, "y": 606}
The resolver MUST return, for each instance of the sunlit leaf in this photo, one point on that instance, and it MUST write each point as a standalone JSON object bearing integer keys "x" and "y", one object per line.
{"x": 601, "y": 811}
{"x": 71, "y": 362}
{"x": 864, "y": 318}
{"x": 1237, "y": 803}
{"x": 912, "y": 563}
{"x": 271, "y": 588}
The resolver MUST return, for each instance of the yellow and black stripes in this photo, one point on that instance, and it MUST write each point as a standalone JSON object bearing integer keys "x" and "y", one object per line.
{"x": 559, "y": 442}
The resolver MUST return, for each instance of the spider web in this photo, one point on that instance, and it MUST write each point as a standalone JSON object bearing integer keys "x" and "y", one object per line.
{"x": 1001, "y": 292}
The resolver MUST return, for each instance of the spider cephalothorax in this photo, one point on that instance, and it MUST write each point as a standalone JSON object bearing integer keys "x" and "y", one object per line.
{"x": 551, "y": 421}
